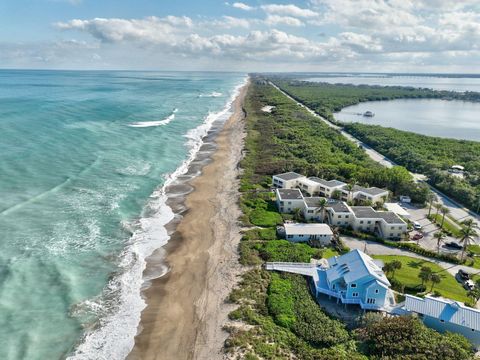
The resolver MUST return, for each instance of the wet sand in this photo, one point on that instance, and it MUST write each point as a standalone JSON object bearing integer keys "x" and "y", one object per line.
{"x": 186, "y": 308}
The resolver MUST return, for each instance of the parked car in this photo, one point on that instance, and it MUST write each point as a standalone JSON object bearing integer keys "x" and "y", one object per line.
{"x": 453, "y": 245}
{"x": 417, "y": 237}
{"x": 463, "y": 275}
{"x": 469, "y": 285}
{"x": 417, "y": 226}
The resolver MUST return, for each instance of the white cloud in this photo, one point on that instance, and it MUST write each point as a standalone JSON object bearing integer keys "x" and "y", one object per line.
{"x": 229, "y": 22}
{"x": 289, "y": 10}
{"x": 272, "y": 20}
{"x": 242, "y": 6}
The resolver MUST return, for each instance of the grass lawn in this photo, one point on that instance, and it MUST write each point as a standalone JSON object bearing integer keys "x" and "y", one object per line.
{"x": 475, "y": 249}
{"x": 408, "y": 275}
{"x": 448, "y": 225}
{"x": 329, "y": 252}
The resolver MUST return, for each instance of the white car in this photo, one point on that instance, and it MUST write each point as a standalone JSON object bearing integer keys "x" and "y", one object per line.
{"x": 417, "y": 226}
{"x": 469, "y": 285}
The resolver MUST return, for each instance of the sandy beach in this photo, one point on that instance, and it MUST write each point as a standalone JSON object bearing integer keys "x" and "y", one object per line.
{"x": 186, "y": 308}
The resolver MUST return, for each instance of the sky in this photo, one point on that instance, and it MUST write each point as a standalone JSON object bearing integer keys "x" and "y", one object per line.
{"x": 312, "y": 35}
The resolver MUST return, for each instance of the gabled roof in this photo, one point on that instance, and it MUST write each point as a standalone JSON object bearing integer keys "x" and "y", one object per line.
{"x": 307, "y": 229}
{"x": 444, "y": 309}
{"x": 289, "y": 194}
{"x": 289, "y": 176}
{"x": 327, "y": 183}
{"x": 353, "y": 266}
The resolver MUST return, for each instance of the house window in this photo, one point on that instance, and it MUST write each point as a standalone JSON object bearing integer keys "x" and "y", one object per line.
{"x": 391, "y": 234}
{"x": 301, "y": 235}
{"x": 370, "y": 301}
{"x": 333, "y": 287}
{"x": 361, "y": 221}
{"x": 442, "y": 321}
{"x": 393, "y": 228}
{"x": 346, "y": 222}
{"x": 310, "y": 211}
{"x": 376, "y": 291}
{"x": 353, "y": 285}
{"x": 339, "y": 216}
{"x": 355, "y": 294}
{"x": 369, "y": 222}
{"x": 347, "y": 216}
{"x": 289, "y": 236}
{"x": 289, "y": 203}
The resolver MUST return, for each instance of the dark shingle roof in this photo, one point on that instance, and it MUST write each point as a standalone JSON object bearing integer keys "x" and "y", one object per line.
{"x": 289, "y": 176}
{"x": 370, "y": 190}
{"x": 313, "y": 201}
{"x": 290, "y": 194}
{"x": 363, "y": 212}
{"x": 327, "y": 183}
{"x": 338, "y": 206}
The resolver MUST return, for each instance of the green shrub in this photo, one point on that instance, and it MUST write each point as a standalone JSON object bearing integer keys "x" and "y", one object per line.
{"x": 280, "y": 301}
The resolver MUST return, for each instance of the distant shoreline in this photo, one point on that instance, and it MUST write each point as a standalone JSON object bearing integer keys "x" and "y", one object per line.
{"x": 185, "y": 308}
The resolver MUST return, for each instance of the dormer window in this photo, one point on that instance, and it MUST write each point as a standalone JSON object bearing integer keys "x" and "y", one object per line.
{"x": 353, "y": 285}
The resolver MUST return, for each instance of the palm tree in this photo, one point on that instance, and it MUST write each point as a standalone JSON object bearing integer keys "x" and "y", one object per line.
{"x": 425, "y": 274}
{"x": 396, "y": 265}
{"x": 435, "y": 279}
{"x": 431, "y": 197}
{"x": 469, "y": 223}
{"x": 437, "y": 206}
{"x": 444, "y": 210}
{"x": 321, "y": 206}
{"x": 440, "y": 236}
{"x": 467, "y": 237}
{"x": 388, "y": 268}
{"x": 297, "y": 214}
{"x": 474, "y": 294}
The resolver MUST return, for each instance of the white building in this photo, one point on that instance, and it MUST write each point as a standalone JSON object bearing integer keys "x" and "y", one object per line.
{"x": 385, "y": 224}
{"x": 288, "y": 200}
{"x": 308, "y": 232}
{"x": 372, "y": 194}
{"x": 327, "y": 187}
{"x": 312, "y": 210}
{"x": 287, "y": 180}
{"x": 397, "y": 209}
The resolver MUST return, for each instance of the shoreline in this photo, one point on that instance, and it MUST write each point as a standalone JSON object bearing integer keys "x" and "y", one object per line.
{"x": 186, "y": 307}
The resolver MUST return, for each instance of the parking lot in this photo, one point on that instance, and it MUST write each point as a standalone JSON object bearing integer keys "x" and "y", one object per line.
{"x": 428, "y": 229}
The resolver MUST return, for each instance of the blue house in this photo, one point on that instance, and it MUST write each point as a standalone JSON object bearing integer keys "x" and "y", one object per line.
{"x": 446, "y": 315}
{"x": 352, "y": 278}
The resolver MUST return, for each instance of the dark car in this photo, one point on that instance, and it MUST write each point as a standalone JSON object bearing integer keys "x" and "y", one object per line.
{"x": 453, "y": 245}
{"x": 417, "y": 237}
{"x": 463, "y": 275}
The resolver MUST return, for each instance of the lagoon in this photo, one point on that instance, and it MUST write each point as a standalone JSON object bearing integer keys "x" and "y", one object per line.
{"x": 443, "y": 118}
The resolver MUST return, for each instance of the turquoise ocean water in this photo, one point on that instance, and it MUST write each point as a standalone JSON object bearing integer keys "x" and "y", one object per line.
{"x": 83, "y": 159}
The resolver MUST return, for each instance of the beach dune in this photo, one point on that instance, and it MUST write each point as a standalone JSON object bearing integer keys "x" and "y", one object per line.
{"x": 186, "y": 308}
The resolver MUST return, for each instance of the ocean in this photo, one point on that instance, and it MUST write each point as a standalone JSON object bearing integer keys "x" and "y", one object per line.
{"x": 84, "y": 161}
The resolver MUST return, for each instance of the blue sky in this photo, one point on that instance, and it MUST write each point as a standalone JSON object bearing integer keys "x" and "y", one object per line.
{"x": 310, "y": 35}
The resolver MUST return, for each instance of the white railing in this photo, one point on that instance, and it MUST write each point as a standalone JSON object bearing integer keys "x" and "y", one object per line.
{"x": 271, "y": 265}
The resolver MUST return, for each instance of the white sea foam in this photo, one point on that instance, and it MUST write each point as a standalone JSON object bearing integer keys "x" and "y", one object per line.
{"x": 114, "y": 337}
{"x": 165, "y": 121}
{"x": 212, "y": 94}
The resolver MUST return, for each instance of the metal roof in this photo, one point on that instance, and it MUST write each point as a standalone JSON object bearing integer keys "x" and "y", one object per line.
{"x": 444, "y": 309}
{"x": 307, "y": 229}
{"x": 353, "y": 266}
{"x": 289, "y": 176}
{"x": 289, "y": 194}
